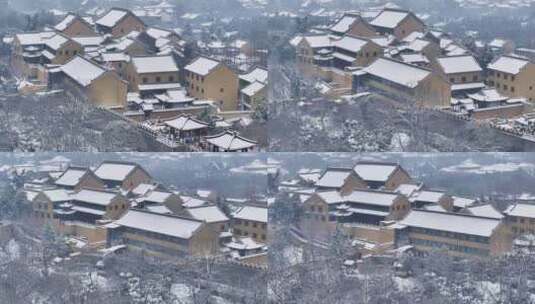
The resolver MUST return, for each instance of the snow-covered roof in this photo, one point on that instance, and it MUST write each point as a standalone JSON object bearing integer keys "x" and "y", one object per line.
{"x": 450, "y": 222}
{"x": 521, "y": 210}
{"x": 351, "y": 44}
{"x": 486, "y": 211}
{"x": 114, "y": 171}
{"x": 318, "y": 41}
{"x": 157, "y": 33}
{"x": 333, "y": 177}
{"x": 71, "y": 177}
{"x": 162, "y": 209}
{"x": 252, "y": 213}
{"x": 375, "y": 172}
{"x": 57, "y": 195}
{"x": 56, "y": 41}
{"x": 154, "y": 64}
{"x": 63, "y": 24}
{"x": 114, "y": 57}
{"x": 202, "y": 66}
{"x": 97, "y": 197}
{"x": 186, "y": 123}
{"x": 343, "y": 24}
{"x": 418, "y": 45}
{"x": 462, "y": 202}
{"x": 34, "y": 38}
{"x": 414, "y": 58}
{"x": 157, "y": 196}
{"x": 408, "y": 189}
{"x": 258, "y": 74}
{"x": 368, "y": 197}
{"x": 191, "y": 202}
{"x": 230, "y": 141}
{"x": 389, "y": 18}
{"x": 247, "y": 243}
{"x": 209, "y": 214}
{"x": 397, "y": 72}
{"x": 82, "y": 70}
{"x": 111, "y": 18}
{"x": 428, "y": 196}
{"x": 169, "y": 225}
{"x": 508, "y": 64}
{"x": 488, "y": 95}
{"x": 253, "y": 89}
{"x": 143, "y": 189}
{"x": 89, "y": 40}
{"x": 459, "y": 64}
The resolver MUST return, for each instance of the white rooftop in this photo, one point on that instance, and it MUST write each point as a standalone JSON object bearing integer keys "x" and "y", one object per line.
{"x": 114, "y": 171}
{"x": 486, "y": 211}
{"x": 154, "y": 64}
{"x": 251, "y": 213}
{"x": 186, "y": 123}
{"x": 63, "y": 24}
{"x": 202, "y": 66}
{"x": 450, "y": 222}
{"x": 351, "y": 44}
{"x": 157, "y": 196}
{"x": 57, "y": 195}
{"x": 71, "y": 177}
{"x": 333, "y": 178}
{"x": 397, "y": 72}
{"x": 428, "y": 196}
{"x": 111, "y": 18}
{"x": 83, "y": 71}
{"x": 359, "y": 196}
{"x": 374, "y": 172}
{"x": 389, "y": 19}
{"x": 509, "y": 65}
{"x": 459, "y": 64}
{"x": 253, "y": 89}
{"x": 230, "y": 141}
{"x": 258, "y": 74}
{"x": 161, "y": 224}
{"x": 343, "y": 24}
{"x": 209, "y": 214}
{"x": 96, "y": 197}
{"x": 521, "y": 210}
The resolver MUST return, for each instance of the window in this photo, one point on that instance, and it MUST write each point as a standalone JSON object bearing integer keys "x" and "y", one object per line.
{"x": 452, "y": 80}
{"x": 463, "y": 79}
{"x": 222, "y": 90}
{"x": 263, "y": 237}
{"x": 171, "y": 78}
{"x": 505, "y": 77}
{"x": 145, "y": 80}
{"x": 475, "y": 78}
{"x": 512, "y": 78}
{"x": 255, "y": 235}
{"x": 158, "y": 79}
{"x": 245, "y": 223}
{"x": 512, "y": 89}
{"x": 66, "y": 52}
{"x": 75, "y": 52}
{"x": 237, "y": 231}
{"x": 254, "y": 225}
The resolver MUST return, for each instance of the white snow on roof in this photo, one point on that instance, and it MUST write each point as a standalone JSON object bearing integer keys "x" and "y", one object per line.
{"x": 442, "y": 221}
{"x": 111, "y": 18}
{"x": 318, "y": 41}
{"x": 155, "y": 64}
{"x": 343, "y": 25}
{"x": 230, "y": 141}
{"x": 156, "y": 33}
{"x": 258, "y": 74}
{"x": 161, "y": 224}
{"x": 459, "y": 64}
{"x": 397, "y": 72}
{"x": 34, "y": 38}
{"x": 296, "y": 40}
{"x": 251, "y": 213}
{"x": 486, "y": 211}
{"x": 157, "y": 196}
{"x": 90, "y": 40}
{"x": 143, "y": 189}
{"x": 159, "y": 209}
{"x": 209, "y": 214}
{"x": 186, "y": 123}
{"x": 65, "y": 22}
{"x": 71, "y": 177}
{"x": 114, "y": 171}
{"x": 333, "y": 178}
{"x": 202, "y": 66}
{"x": 56, "y": 41}
{"x": 374, "y": 172}
{"x": 507, "y": 64}
{"x": 408, "y": 189}
{"x": 191, "y": 202}
{"x": 253, "y": 89}
{"x": 428, "y": 196}
{"x": 349, "y": 43}
{"x": 82, "y": 70}
{"x": 96, "y": 197}
{"x": 521, "y": 210}
{"x": 462, "y": 202}
{"x": 360, "y": 196}
{"x": 389, "y": 19}
{"x": 114, "y": 57}
{"x": 57, "y": 195}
